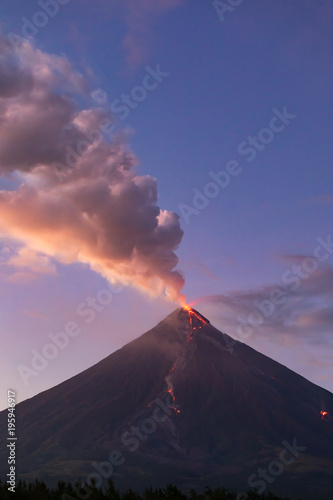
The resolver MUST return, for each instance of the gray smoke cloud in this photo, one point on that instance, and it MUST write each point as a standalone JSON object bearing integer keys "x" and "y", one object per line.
{"x": 80, "y": 198}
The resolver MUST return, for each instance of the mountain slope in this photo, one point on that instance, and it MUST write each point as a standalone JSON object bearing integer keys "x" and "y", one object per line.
{"x": 179, "y": 405}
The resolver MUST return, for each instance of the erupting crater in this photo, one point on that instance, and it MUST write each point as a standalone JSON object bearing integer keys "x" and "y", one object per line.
{"x": 193, "y": 314}
{"x": 196, "y": 321}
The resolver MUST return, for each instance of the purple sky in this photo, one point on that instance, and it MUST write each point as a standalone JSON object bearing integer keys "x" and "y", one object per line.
{"x": 116, "y": 116}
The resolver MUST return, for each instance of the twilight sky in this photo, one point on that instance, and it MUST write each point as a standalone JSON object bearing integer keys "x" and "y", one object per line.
{"x": 117, "y": 115}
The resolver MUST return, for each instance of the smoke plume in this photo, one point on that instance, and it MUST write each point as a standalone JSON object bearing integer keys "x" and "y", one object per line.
{"x": 78, "y": 197}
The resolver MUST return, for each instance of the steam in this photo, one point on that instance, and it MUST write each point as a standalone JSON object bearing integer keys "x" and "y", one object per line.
{"x": 79, "y": 198}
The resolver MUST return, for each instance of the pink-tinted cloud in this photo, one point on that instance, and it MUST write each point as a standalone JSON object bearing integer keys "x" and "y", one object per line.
{"x": 30, "y": 313}
{"x": 21, "y": 278}
{"x": 280, "y": 312}
{"x": 28, "y": 259}
{"x": 140, "y": 16}
{"x": 293, "y": 327}
{"x": 99, "y": 211}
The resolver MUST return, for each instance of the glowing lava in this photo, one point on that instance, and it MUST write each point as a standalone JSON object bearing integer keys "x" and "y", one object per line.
{"x": 170, "y": 389}
{"x": 192, "y": 313}
{"x": 324, "y": 414}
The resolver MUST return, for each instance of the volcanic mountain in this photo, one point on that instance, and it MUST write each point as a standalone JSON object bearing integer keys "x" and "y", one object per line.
{"x": 183, "y": 403}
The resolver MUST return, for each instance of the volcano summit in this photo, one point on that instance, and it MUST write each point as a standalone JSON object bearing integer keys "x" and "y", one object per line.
{"x": 178, "y": 405}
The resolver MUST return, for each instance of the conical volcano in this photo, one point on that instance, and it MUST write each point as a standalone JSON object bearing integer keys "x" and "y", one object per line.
{"x": 183, "y": 403}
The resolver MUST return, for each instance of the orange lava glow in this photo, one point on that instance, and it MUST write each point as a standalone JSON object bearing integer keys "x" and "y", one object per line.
{"x": 169, "y": 379}
{"x": 170, "y": 389}
{"x": 324, "y": 414}
{"x": 192, "y": 313}
{"x": 173, "y": 406}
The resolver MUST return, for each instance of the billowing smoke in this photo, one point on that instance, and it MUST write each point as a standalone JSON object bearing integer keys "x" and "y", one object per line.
{"x": 79, "y": 198}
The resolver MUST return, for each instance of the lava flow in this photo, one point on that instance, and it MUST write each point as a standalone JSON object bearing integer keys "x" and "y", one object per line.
{"x": 170, "y": 389}
{"x": 192, "y": 313}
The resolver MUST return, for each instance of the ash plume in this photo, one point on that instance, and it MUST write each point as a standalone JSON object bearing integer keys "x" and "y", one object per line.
{"x": 78, "y": 197}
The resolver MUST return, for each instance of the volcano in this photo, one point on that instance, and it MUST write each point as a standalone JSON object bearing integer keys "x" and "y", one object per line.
{"x": 183, "y": 403}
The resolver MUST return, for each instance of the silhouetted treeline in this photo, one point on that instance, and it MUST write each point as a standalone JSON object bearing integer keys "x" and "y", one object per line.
{"x": 81, "y": 491}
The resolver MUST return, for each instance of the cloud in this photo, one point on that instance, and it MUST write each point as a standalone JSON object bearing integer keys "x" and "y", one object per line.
{"x": 30, "y": 313}
{"x": 279, "y": 312}
{"x": 36, "y": 107}
{"x": 297, "y": 332}
{"x": 140, "y": 16}
{"x": 21, "y": 278}
{"x": 28, "y": 259}
{"x": 322, "y": 199}
{"x": 321, "y": 319}
{"x": 99, "y": 211}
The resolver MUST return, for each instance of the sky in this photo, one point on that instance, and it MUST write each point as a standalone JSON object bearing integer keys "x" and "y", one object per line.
{"x": 156, "y": 150}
